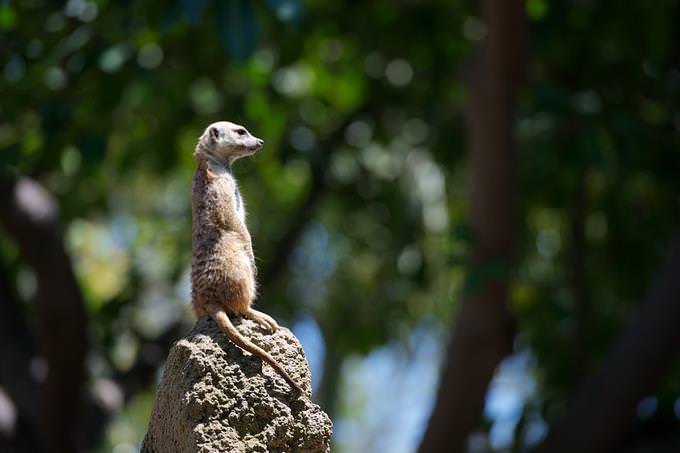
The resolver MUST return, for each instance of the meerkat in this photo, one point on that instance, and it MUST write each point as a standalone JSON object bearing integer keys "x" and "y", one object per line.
{"x": 223, "y": 267}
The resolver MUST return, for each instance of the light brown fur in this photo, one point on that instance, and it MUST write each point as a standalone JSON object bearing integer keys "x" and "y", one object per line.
{"x": 223, "y": 265}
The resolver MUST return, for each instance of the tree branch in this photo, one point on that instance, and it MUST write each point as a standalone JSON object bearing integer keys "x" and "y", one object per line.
{"x": 604, "y": 407}
{"x": 30, "y": 215}
{"x": 305, "y": 211}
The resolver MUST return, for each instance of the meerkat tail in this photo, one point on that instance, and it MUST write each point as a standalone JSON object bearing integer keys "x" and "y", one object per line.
{"x": 224, "y": 323}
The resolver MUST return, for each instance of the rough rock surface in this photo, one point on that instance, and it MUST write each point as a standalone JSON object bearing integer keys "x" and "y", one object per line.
{"x": 215, "y": 397}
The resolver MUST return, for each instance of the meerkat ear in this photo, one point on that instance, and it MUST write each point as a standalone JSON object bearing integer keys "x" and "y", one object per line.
{"x": 214, "y": 134}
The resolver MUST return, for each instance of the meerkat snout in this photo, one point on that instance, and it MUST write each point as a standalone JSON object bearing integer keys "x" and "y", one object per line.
{"x": 228, "y": 141}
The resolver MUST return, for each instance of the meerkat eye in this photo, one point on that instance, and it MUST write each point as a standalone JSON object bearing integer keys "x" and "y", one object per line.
{"x": 241, "y": 131}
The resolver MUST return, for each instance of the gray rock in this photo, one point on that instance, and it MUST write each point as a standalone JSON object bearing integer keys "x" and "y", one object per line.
{"x": 215, "y": 397}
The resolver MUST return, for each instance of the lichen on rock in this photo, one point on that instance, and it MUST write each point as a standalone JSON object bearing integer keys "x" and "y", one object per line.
{"x": 215, "y": 397}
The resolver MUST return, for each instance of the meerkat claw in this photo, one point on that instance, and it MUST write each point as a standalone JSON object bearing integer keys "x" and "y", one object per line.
{"x": 263, "y": 319}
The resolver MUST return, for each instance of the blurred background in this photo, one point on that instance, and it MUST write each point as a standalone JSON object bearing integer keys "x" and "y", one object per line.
{"x": 463, "y": 209}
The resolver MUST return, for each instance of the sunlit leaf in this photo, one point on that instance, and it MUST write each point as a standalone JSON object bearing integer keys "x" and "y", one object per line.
{"x": 7, "y": 17}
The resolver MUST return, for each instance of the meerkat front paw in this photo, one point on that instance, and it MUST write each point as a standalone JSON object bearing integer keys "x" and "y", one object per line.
{"x": 263, "y": 319}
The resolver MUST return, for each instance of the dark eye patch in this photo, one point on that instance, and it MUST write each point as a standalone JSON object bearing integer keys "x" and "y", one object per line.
{"x": 241, "y": 131}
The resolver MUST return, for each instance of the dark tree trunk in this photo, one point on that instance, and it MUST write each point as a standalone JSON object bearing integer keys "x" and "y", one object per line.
{"x": 579, "y": 281}
{"x": 30, "y": 215}
{"x": 16, "y": 350}
{"x": 483, "y": 330}
{"x": 327, "y": 394}
{"x": 603, "y": 409}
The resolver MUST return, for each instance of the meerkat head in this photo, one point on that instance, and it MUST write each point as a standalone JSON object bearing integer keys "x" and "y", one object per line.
{"x": 227, "y": 142}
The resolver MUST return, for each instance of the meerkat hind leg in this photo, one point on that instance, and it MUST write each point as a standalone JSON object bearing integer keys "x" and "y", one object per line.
{"x": 263, "y": 319}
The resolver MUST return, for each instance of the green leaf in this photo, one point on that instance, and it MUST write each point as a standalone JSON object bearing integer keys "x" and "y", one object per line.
{"x": 537, "y": 9}
{"x": 8, "y": 17}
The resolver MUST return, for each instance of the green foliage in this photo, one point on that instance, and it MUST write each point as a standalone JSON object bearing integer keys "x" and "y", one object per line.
{"x": 102, "y": 103}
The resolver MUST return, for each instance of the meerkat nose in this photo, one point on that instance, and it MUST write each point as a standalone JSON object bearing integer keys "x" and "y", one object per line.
{"x": 260, "y": 142}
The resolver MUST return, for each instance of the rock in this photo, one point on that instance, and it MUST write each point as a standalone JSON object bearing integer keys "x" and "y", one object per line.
{"x": 215, "y": 397}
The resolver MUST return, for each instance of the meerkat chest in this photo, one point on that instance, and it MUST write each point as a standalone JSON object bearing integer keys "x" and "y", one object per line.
{"x": 231, "y": 196}
{"x": 238, "y": 204}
